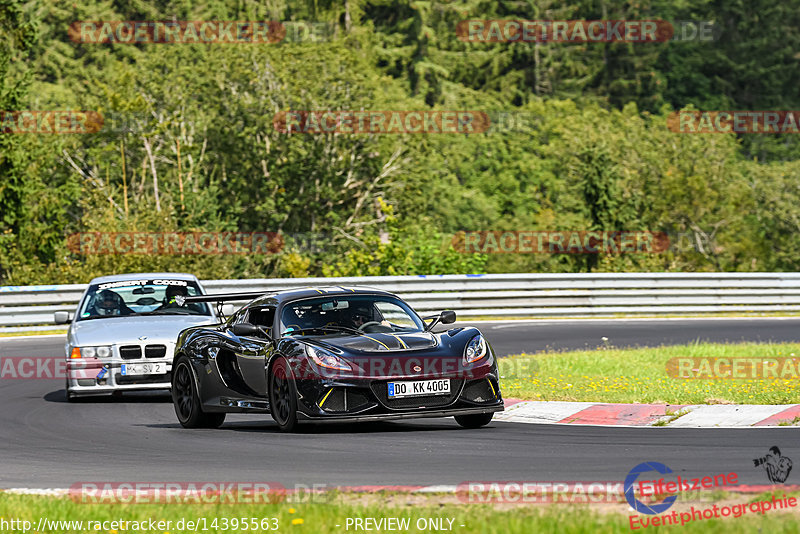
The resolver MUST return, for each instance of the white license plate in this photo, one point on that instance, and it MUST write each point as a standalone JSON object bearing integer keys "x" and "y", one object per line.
{"x": 131, "y": 369}
{"x": 418, "y": 388}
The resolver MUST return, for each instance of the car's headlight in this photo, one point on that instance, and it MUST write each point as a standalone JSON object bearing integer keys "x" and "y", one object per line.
{"x": 476, "y": 349}
{"x": 91, "y": 352}
{"x": 326, "y": 359}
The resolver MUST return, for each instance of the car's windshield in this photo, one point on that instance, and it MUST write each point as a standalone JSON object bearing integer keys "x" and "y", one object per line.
{"x": 141, "y": 297}
{"x": 362, "y": 313}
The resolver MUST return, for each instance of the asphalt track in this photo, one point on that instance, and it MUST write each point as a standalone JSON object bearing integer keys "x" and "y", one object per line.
{"x": 46, "y": 442}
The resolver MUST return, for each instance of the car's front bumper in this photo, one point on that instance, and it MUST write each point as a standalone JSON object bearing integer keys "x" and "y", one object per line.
{"x": 97, "y": 376}
{"x": 396, "y": 416}
{"x": 368, "y": 398}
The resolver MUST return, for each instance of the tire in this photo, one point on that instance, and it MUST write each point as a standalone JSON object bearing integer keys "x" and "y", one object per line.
{"x": 186, "y": 400}
{"x": 475, "y": 420}
{"x": 283, "y": 396}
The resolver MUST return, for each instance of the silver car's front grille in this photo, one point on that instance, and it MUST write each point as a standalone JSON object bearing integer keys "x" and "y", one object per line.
{"x": 155, "y": 351}
{"x": 134, "y": 352}
{"x": 130, "y": 352}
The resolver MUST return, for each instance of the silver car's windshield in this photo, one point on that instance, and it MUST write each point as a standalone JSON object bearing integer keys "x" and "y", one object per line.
{"x": 350, "y": 313}
{"x": 140, "y": 297}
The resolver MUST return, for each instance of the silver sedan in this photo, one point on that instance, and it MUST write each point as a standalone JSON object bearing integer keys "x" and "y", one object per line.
{"x": 122, "y": 336}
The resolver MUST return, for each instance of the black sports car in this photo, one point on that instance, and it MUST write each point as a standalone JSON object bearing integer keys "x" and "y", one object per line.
{"x": 332, "y": 354}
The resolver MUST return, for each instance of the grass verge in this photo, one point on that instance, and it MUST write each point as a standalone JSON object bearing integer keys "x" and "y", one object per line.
{"x": 27, "y": 333}
{"x": 333, "y": 517}
{"x": 640, "y": 376}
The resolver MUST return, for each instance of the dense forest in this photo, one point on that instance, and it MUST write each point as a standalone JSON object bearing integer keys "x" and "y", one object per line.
{"x": 578, "y": 141}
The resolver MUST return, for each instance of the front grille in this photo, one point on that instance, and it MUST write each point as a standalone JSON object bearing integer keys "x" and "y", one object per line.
{"x": 334, "y": 402}
{"x": 155, "y": 351}
{"x": 343, "y": 400}
{"x": 381, "y": 392}
{"x": 130, "y": 352}
{"x": 478, "y": 391}
{"x": 356, "y": 400}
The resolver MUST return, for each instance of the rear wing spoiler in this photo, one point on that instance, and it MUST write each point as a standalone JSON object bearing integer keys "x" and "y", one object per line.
{"x": 228, "y": 297}
{"x": 220, "y": 299}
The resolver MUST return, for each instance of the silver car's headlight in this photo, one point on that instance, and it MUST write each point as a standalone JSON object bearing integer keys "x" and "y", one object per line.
{"x": 476, "y": 349}
{"x": 103, "y": 351}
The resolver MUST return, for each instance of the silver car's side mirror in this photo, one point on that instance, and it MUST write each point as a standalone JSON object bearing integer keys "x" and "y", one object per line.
{"x": 62, "y": 317}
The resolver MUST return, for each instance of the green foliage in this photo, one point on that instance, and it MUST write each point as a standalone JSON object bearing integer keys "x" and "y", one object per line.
{"x": 406, "y": 254}
{"x": 578, "y": 139}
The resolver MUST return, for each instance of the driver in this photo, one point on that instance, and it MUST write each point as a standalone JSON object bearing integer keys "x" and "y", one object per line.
{"x": 362, "y": 316}
{"x": 108, "y": 303}
{"x": 171, "y": 293}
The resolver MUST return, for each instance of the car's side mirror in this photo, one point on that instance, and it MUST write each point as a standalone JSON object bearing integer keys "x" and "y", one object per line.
{"x": 447, "y": 317}
{"x": 62, "y": 317}
{"x": 247, "y": 329}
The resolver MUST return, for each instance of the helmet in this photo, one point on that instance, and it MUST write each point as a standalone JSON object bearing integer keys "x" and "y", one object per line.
{"x": 108, "y": 303}
{"x": 361, "y": 315}
{"x": 174, "y": 291}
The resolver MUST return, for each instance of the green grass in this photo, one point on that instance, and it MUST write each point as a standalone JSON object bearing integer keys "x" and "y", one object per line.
{"x": 673, "y": 416}
{"x": 639, "y": 375}
{"x": 33, "y": 333}
{"x": 742, "y": 311}
{"x": 790, "y": 423}
{"x": 323, "y": 517}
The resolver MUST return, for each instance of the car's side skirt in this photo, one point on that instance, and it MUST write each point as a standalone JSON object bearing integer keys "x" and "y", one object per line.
{"x": 244, "y": 405}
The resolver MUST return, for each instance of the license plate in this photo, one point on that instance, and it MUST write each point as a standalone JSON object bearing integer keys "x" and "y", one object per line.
{"x": 418, "y": 388}
{"x": 131, "y": 369}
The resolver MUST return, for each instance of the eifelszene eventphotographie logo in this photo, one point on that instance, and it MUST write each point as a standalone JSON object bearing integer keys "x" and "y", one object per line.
{"x": 630, "y": 484}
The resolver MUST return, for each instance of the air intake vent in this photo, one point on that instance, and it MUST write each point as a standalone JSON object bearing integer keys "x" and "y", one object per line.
{"x": 155, "y": 351}
{"x": 333, "y": 400}
{"x": 343, "y": 400}
{"x": 479, "y": 391}
{"x": 130, "y": 352}
{"x": 356, "y": 400}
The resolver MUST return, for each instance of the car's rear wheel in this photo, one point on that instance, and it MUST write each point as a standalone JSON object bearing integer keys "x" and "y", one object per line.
{"x": 283, "y": 396}
{"x": 187, "y": 401}
{"x": 474, "y": 420}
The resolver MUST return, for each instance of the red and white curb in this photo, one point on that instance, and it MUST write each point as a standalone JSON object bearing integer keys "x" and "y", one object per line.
{"x": 675, "y": 415}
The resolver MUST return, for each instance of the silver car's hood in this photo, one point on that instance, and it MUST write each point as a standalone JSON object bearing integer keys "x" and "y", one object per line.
{"x": 115, "y": 330}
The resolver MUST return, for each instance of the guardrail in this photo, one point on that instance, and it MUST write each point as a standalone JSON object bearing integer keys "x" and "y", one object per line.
{"x": 492, "y": 295}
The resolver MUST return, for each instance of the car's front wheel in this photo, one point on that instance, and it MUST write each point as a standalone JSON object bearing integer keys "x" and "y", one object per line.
{"x": 474, "y": 420}
{"x": 187, "y": 401}
{"x": 283, "y": 396}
